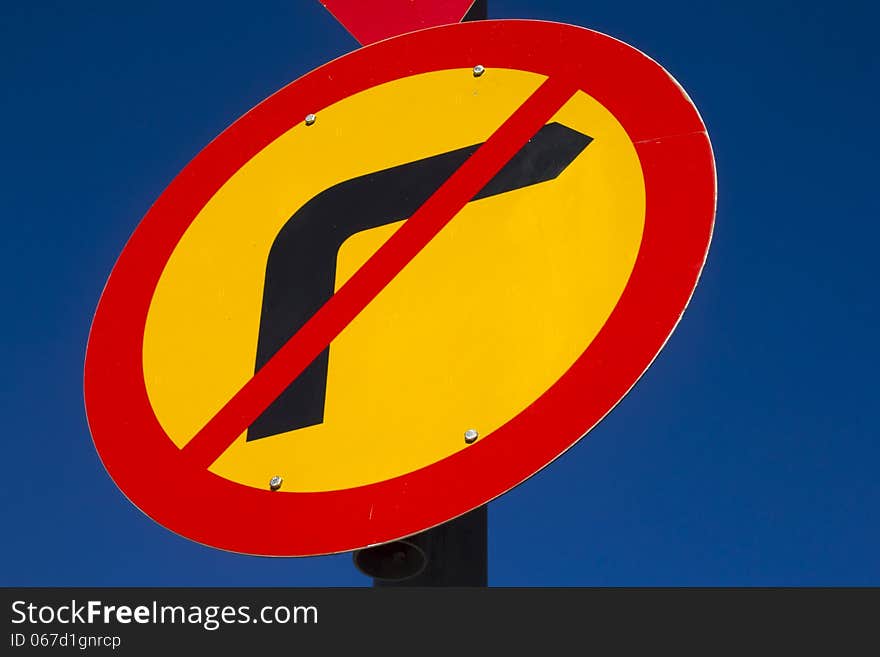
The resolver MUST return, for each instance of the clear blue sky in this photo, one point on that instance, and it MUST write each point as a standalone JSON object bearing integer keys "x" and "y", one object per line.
{"x": 747, "y": 455}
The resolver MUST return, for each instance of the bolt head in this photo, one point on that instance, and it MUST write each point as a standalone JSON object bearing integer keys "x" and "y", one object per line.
{"x": 275, "y": 482}
{"x": 310, "y": 119}
{"x": 479, "y": 70}
{"x": 471, "y": 436}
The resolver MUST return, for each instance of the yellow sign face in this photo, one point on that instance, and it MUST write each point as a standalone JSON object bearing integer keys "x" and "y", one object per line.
{"x": 477, "y": 326}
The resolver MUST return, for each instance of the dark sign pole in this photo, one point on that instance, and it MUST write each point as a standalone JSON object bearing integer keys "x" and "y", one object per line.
{"x": 477, "y": 12}
{"x": 452, "y": 554}
{"x": 455, "y": 553}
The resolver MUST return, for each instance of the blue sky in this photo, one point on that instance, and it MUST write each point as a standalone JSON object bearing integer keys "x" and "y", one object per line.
{"x": 748, "y": 454}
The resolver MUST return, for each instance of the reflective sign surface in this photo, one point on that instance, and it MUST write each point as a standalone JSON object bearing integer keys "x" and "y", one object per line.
{"x": 357, "y": 325}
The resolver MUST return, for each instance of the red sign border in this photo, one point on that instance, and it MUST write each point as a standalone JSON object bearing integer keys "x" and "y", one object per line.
{"x": 678, "y": 166}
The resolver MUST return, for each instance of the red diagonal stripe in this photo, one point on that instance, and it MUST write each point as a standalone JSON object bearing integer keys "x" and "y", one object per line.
{"x": 379, "y": 270}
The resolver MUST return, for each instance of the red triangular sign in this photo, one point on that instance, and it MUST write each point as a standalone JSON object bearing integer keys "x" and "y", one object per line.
{"x": 370, "y": 21}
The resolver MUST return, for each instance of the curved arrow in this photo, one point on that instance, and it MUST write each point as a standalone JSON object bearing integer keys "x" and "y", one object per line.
{"x": 301, "y": 267}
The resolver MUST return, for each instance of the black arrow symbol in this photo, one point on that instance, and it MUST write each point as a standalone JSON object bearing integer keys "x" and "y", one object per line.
{"x": 301, "y": 267}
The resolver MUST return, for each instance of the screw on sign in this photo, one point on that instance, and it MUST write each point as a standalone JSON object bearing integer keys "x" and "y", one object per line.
{"x": 322, "y": 304}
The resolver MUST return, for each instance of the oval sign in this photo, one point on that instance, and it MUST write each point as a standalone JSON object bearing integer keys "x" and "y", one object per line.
{"x": 399, "y": 287}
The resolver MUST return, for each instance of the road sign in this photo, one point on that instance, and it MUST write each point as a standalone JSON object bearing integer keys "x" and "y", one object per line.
{"x": 399, "y": 287}
{"x": 373, "y": 21}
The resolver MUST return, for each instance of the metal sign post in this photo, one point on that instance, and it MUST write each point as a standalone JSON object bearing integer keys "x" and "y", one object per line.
{"x": 452, "y": 554}
{"x": 455, "y": 553}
